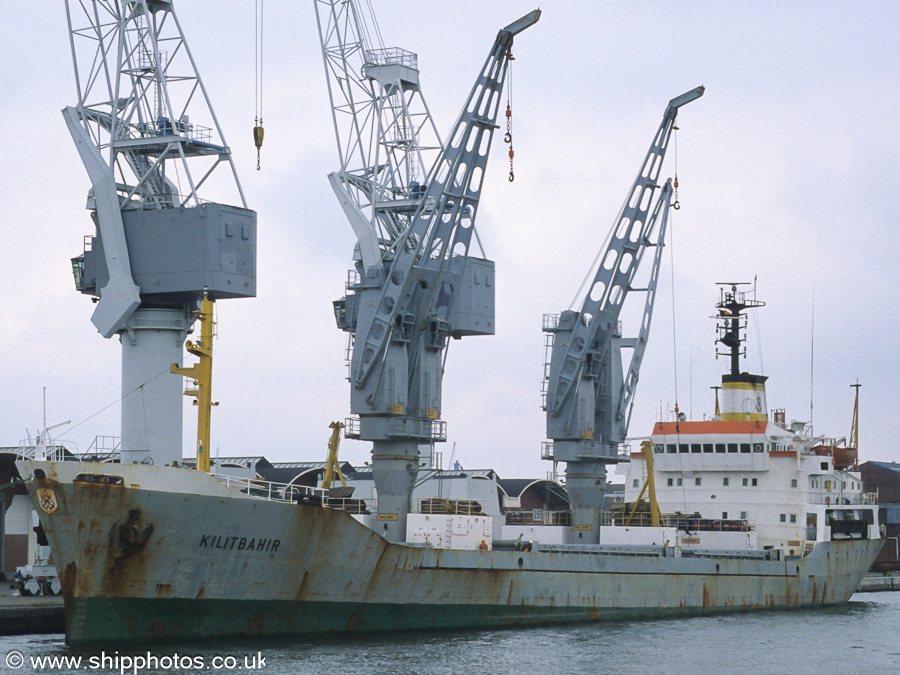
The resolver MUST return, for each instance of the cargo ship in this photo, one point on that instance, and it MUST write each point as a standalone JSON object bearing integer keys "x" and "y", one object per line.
{"x": 741, "y": 514}
{"x": 162, "y": 553}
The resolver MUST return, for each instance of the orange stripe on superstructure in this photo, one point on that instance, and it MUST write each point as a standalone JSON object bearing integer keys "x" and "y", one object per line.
{"x": 782, "y": 453}
{"x": 709, "y": 427}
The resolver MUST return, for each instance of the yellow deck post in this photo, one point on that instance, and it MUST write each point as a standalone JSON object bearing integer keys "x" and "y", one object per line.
{"x": 331, "y": 463}
{"x": 201, "y": 374}
{"x": 648, "y": 486}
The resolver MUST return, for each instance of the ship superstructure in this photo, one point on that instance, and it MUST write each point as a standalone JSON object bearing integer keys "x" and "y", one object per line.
{"x": 741, "y": 470}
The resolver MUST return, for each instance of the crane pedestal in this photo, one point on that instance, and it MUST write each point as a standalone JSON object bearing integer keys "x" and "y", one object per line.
{"x": 586, "y": 484}
{"x": 152, "y": 408}
{"x": 395, "y": 465}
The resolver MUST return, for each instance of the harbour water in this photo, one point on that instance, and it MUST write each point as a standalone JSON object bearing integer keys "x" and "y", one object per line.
{"x": 861, "y": 636}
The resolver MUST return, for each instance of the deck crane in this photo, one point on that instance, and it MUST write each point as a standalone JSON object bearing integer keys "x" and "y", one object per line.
{"x": 588, "y": 397}
{"x": 158, "y": 248}
{"x": 424, "y": 287}
{"x": 386, "y": 138}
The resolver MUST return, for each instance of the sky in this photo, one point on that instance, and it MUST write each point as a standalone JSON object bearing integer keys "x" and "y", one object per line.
{"x": 787, "y": 168}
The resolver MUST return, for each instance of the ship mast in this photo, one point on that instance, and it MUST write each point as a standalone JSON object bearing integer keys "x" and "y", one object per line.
{"x": 854, "y": 428}
{"x": 743, "y": 394}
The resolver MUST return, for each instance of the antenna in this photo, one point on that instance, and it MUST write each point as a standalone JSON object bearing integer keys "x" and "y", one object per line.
{"x": 812, "y": 354}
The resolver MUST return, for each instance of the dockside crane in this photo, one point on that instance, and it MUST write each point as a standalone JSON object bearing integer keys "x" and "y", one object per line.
{"x": 418, "y": 282}
{"x": 159, "y": 247}
{"x": 588, "y": 395}
{"x": 387, "y": 140}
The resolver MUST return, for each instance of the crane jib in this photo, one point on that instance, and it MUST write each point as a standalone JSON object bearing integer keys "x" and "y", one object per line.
{"x": 526, "y": 21}
{"x": 588, "y": 334}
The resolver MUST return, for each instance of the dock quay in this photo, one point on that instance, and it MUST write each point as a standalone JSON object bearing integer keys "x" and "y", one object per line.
{"x": 36, "y": 614}
{"x": 872, "y": 583}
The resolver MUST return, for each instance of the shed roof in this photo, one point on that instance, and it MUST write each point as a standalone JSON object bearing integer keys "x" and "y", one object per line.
{"x": 890, "y": 466}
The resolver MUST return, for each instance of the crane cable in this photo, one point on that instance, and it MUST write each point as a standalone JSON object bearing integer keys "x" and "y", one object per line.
{"x": 674, "y": 322}
{"x": 675, "y": 203}
{"x": 258, "y": 131}
{"x": 508, "y": 137}
{"x": 671, "y": 233}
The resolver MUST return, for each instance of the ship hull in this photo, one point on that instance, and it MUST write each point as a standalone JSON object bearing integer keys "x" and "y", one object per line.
{"x": 171, "y": 554}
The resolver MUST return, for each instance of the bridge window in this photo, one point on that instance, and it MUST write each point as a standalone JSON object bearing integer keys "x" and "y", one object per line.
{"x": 682, "y": 447}
{"x": 707, "y": 447}
{"x": 732, "y": 447}
{"x": 720, "y": 447}
{"x": 745, "y": 447}
{"x": 671, "y": 448}
{"x": 695, "y": 447}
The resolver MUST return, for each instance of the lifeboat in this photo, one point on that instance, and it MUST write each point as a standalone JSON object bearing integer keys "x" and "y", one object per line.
{"x": 844, "y": 458}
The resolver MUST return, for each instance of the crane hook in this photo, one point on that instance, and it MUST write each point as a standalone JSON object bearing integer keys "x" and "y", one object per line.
{"x": 676, "y": 204}
{"x": 508, "y": 139}
{"x": 258, "y": 134}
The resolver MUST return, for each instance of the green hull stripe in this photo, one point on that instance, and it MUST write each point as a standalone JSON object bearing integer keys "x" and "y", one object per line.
{"x": 108, "y": 620}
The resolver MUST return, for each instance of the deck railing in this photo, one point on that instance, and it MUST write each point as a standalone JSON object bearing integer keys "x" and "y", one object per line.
{"x": 273, "y": 492}
{"x": 538, "y": 517}
{"x": 838, "y": 498}
{"x": 290, "y": 492}
{"x": 442, "y": 505}
{"x": 691, "y": 523}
